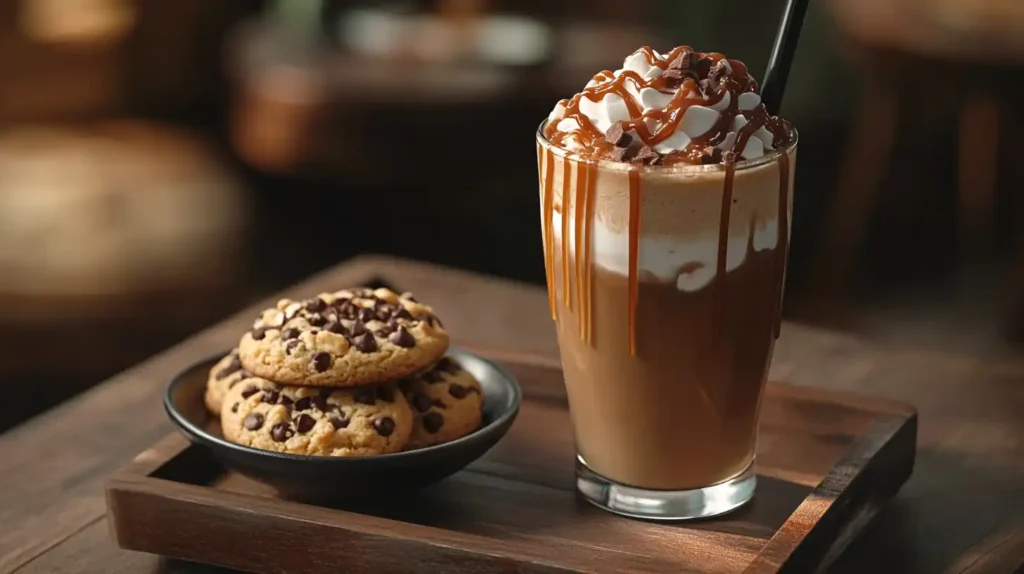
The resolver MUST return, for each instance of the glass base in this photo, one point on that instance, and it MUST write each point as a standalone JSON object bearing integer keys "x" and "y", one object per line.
{"x": 665, "y": 504}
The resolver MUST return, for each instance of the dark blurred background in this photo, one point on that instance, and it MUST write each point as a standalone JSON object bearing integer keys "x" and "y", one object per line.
{"x": 163, "y": 163}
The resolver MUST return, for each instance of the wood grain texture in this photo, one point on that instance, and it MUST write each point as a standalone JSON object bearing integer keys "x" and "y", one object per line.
{"x": 516, "y": 509}
{"x": 966, "y": 491}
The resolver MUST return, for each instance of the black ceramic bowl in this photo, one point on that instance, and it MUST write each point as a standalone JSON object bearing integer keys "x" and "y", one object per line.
{"x": 321, "y": 477}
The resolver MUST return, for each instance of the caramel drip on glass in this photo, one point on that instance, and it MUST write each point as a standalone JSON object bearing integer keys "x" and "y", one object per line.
{"x": 591, "y": 199}
{"x": 723, "y": 253}
{"x": 635, "y": 197}
{"x": 582, "y": 183}
{"x": 783, "y": 245}
{"x": 549, "y": 204}
{"x": 566, "y": 188}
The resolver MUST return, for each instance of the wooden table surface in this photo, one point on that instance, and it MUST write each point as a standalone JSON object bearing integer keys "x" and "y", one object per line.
{"x": 962, "y": 511}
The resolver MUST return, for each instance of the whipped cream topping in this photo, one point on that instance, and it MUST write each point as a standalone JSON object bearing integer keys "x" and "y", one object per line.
{"x": 679, "y": 107}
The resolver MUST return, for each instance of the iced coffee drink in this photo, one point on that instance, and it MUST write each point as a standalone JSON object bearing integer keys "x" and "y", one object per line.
{"x": 666, "y": 192}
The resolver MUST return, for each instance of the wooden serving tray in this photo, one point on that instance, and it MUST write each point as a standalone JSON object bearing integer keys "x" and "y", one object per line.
{"x": 826, "y": 463}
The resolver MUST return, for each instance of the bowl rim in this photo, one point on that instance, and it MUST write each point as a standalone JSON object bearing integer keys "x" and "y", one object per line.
{"x": 201, "y": 436}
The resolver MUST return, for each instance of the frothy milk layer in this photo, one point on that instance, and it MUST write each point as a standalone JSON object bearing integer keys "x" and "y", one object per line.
{"x": 680, "y": 219}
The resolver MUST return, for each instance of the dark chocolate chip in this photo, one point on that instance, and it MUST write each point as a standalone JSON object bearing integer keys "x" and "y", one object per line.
{"x": 457, "y": 391}
{"x": 402, "y": 338}
{"x": 711, "y": 155}
{"x": 281, "y": 432}
{"x": 358, "y": 328}
{"x": 447, "y": 365}
{"x": 402, "y": 313}
{"x": 383, "y": 314}
{"x": 249, "y": 391}
{"x": 322, "y": 361}
{"x": 365, "y": 395}
{"x": 304, "y": 403}
{"x": 673, "y": 78}
{"x": 304, "y": 423}
{"x": 432, "y": 376}
{"x": 384, "y": 426}
{"x": 315, "y": 305}
{"x": 617, "y": 136}
{"x": 317, "y": 320}
{"x": 271, "y": 397}
{"x": 386, "y": 394}
{"x": 385, "y": 330}
{"x": 290, "y": 346}
{"x": 432, "y": 422}
{"x": 338, "y": 422}
{"x": 366, "y": 314}
{"x": 286, "y": 401}
{"x": 232, "y": 367}
{"x": 334, "y": 327}
{"x": 439, "y": 404}
{"x": 258, "y": 333}
{"x": 421, "y": 402}
{"x": 253, "y": 422}
{"x": 290, "y": 333}
{"x": 319, "y": 403}
{"x": 626, "y": 153}
{"x": 365, "y": 343}
{"x": 234, "y": 408}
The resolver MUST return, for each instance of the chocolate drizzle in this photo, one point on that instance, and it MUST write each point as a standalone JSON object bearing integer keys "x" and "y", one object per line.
{"x": 635, "y": 203}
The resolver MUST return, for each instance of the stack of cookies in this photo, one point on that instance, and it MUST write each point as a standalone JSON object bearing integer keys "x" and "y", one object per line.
{"x": 357, "y": 372}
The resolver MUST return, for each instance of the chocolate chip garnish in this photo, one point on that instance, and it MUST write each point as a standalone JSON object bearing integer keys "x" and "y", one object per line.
{"x": 234, "y": 408}
{"x": 432, "y": 422}
{"x": 647, "y": 156}
{"x": 234, "y": 366}
{"x": 258, "y": 333}
{"x": 338, "y": 422}
{"x": 358, "y": 328}
{"x": 439, "y": 404}
{"x": 319, "y": 403}
{"x": 617, "y": 136}
{"x": 402, "y": 313}
{"x": 286, "y": 401}
{"x": 271, "y": 397}
{"x": 421, "y": 402}
{"x": 627, "y": 153}
{"x": 253, "y": 422}
{"x": 322, "y": 361}
{"x": 315, "y": 305}
{"x": 384, "y": 426}
{"x": 385, "y": 394}
{"x": 385, "y": 330}
{"x": 281, "y": 432}
{"x": 317, "y": 320}
{"x": 304, "y": 423}
{"x": 711, "y": 155}
{"x": 365, "y": 395}
{"x": 458, "y": 391}
{"x": 673, "y": 78}
{"x": 303, "y": 404}
{"x": 366, "y": 314}
{"x": 249, "y": 391}
{"x": 402, "y": 338}
{"x": 365, "y": 343}
{"x": 290, "y": 333}
{"x": 335, "y": 327}
{"x": 290, "y": 346}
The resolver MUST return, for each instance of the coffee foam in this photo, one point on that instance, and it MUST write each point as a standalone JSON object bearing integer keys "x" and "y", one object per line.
{"x": 680, "y": 214}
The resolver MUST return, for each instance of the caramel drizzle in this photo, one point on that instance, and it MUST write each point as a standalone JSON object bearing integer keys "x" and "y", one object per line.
{"x": 591, "y": 198}
{"x": 783, "y": 246}
{"x": 549, "y": 200}
{"x": 582, "y": 187}
{"x": 635, "y": 201}
{"x": 566, "y": 292}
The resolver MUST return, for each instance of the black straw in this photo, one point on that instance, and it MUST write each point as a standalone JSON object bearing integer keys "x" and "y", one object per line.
{"x": 782, "y": 55}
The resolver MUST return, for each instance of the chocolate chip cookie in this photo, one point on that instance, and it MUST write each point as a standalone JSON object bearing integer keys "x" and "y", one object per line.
{"x": 447, "y": 403}
{"x": 227, "y": 373}
{"x": 360, "y": 421}
{"x": 342, "y": 339}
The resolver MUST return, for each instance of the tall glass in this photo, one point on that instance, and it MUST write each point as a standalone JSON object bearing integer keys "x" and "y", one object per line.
{"x": 665, "y": 283}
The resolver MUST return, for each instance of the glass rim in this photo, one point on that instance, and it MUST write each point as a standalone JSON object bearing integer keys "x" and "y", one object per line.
{"x": 767, "y": 158}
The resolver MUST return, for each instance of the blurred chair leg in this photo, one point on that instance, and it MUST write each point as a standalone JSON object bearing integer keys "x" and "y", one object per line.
{"x": 1015, "y": 176}
{"x": 977, "y": 168}
{"x": 864, "y": 164}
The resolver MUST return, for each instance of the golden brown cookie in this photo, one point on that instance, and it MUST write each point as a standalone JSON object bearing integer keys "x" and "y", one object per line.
{"x": 342, "y": 339}
{"x": 447, "y": 403}
{"x": 361, "y": 421}
{"x": 227, "y": 373}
